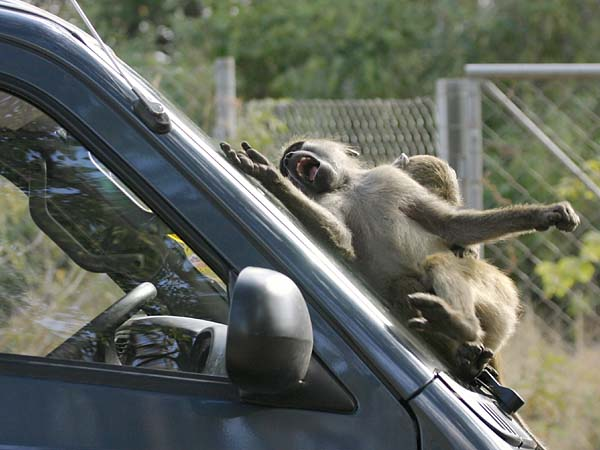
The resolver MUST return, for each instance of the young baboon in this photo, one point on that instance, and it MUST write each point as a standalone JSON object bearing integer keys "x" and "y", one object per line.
{"x": 400, "y": 235}
{"x": 433, "y": 173}
{"x": 461, "y": 280}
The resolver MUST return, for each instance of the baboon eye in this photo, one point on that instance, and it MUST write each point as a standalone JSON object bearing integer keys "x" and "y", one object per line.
{"x": 295, "y": 146}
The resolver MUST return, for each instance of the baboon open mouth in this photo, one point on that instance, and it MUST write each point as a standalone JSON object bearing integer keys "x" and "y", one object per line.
{"x": 307, "y": 168}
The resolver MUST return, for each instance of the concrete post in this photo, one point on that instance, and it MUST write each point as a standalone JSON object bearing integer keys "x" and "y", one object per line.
{"x": 459, "y": 124}
{"x": 225, "y": 99}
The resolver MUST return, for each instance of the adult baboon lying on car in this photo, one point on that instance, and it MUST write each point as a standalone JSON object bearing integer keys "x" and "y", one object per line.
{"x": 400, "y": 236}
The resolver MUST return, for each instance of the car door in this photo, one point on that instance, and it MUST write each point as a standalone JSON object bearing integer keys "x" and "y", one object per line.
{"x": 93, "y": 206}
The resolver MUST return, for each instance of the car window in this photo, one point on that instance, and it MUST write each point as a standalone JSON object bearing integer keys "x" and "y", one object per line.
{"x": 88, "y": 271}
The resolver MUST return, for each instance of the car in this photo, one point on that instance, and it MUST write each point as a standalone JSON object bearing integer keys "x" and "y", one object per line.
{"x": 154, "y": 297}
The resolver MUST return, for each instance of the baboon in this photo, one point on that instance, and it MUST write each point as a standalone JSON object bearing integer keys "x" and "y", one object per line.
{"x": 494, "y": 294}
{"x": 460, "y": 280}
{"x": 433, "y": 173}
{"x": 400, "y": 236}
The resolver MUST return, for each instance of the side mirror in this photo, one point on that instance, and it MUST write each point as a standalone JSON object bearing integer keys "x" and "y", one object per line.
{"x": 269, "y": 338}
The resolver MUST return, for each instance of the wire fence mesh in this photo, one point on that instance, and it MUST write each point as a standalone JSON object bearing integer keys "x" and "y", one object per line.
{"x": 379, "y": 129}
{"x": 555, "y": 271}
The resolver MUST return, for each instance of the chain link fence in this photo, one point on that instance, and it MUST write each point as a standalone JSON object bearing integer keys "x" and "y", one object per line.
{"x": 555, "y": 271}
{"x": 379, "y": 129}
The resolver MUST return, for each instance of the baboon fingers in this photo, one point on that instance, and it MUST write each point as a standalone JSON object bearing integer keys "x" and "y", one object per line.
{"x": 569, "y": 220}
{"x": 423, "y": 300}
{"x": 465, "y": 359}
{"x": 246, "y": 163}
{"x": 487, "y": 354}
{"x": 231, "y": 154}
{"x": 226, "y": 148}
{"x": 401, "y": 161}
{"x": 250, "y": 161}
{"x": 561, "y": 215}
{"x": 257, "y": 157}
{"x": 238, "y": 157}
{"x": 419, "y": 324}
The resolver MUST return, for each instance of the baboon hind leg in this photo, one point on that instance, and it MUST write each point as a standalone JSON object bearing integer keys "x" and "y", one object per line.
{"x": 450, "y": 278}
{"x": 437, "y": 315}
{"x": 456, "y": 340}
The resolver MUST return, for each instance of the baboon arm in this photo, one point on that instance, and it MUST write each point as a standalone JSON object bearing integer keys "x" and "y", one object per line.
{"x": 322, "y": 224}
{"x": 468, "y": 227}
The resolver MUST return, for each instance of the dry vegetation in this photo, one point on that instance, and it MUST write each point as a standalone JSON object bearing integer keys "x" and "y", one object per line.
{"x": 561, "y": 386}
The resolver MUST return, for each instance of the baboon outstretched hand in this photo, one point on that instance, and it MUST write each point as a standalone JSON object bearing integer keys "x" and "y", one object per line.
{"x": 252, "y": 162}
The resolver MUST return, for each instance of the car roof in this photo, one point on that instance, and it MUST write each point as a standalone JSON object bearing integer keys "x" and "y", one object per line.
{"x": 19, "y": 5}
{"x": 46, "y": 32}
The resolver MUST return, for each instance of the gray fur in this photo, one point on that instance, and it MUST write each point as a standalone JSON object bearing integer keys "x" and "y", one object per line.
{"x": 400, "y": 236}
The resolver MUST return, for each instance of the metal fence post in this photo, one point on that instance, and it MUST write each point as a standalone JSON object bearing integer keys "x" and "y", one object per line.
{"x": 225, "y": 99}
{"x": 458, "y": 104}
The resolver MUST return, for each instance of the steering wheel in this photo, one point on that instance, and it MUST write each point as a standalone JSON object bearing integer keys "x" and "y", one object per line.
{"x": 86, "y": 343}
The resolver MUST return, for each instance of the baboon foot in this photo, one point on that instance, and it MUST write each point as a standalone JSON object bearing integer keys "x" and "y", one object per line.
{"x": 437, "y": 316}
{"x": 471, "y": 359}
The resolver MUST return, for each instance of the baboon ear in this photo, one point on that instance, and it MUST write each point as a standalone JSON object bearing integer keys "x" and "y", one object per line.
{"x": 293, "y": 147}
{"x": 352, "y": 152}
{"x": 401, "y": 161}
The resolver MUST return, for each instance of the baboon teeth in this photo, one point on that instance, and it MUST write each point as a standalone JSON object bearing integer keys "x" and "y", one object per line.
{"x": 307, "y": 168}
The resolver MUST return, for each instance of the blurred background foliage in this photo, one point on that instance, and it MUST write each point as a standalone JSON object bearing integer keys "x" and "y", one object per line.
{"x": 334, "y": 48}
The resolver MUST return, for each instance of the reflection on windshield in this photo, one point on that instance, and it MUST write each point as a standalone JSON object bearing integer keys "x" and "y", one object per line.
{"x": 45, "y": 296}
{"x": 124, "y": 189}
{"x": 74, "y": 239}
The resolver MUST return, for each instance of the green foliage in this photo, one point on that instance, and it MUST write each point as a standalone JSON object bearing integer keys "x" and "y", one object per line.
{"x": 562, "y": 277}
{"x": 559, "y": 277}
{"x": 262, "y": 125}
{"x": 349, "y": 48}
{"x": 387, "y": 48}
{"x": 591, "y": 247}
{"x": 574, "y": 190}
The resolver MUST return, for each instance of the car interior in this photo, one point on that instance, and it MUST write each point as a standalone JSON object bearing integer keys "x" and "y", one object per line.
{"x": 166, "y": 309}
